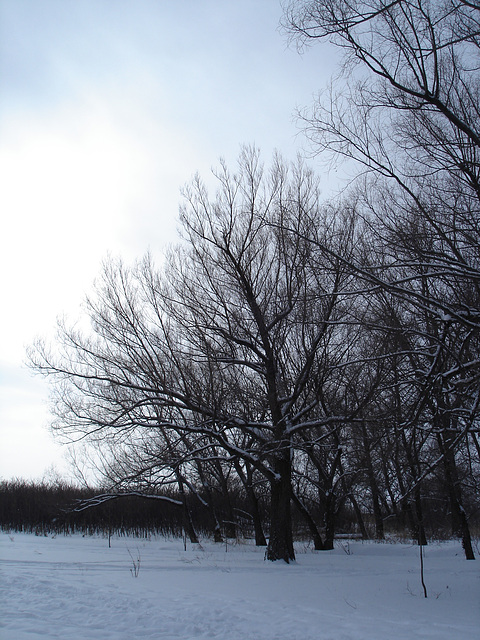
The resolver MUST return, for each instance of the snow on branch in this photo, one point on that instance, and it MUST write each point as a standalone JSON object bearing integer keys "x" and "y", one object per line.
{"x": 95, "y": 501}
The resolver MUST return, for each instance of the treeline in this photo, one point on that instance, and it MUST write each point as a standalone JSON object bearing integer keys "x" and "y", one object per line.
{"x": 323, "y": 357}
{"x": 61, "y": 508}
{"x": 47, "y": 508}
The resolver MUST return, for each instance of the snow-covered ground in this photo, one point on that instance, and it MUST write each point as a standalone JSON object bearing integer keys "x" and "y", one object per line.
{"x": 77, "y": 588}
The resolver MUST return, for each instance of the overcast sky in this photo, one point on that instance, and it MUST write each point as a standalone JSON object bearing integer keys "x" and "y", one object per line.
{"x": 107, "y": 108}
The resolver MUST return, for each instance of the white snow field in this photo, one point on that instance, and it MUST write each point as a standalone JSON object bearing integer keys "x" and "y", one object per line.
{"x": 76, "y": 588}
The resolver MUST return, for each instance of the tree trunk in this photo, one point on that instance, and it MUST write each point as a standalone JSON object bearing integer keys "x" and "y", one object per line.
{"x": 246, "y": 477}
{"x": 280, "y": 543}
{"x": 459, "y": 517}
{"x": 260, "y": 540}
{"x": 229, "y": 523}
{"x": 217, "y": 530}
{"x": 187, "y": 516}
{"x": 329, "y": 517}
{"x": 377, "y": 512}
{"x": 421, "y": 536}
{"x": 316, "y": 537}
{"x": 358, "y": 514}
{"x": 348, "y": 494}
{"x": 415, "y": 518}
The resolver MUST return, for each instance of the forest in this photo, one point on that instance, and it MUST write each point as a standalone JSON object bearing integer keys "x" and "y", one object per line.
{"x": 299, "y": 366}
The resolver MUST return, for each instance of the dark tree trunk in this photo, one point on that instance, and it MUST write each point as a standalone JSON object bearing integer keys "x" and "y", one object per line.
{"x": 348, "y": 494}
{"x": 358, "y": 515}
{"x": 280, "y": 543}
{"x": 230, "y": 525}
{"x": 460, "y": 526}
{"x": 406, "y": 509}
{"x": 188, "y": 525}
{"x": 260, "y": 540}
{"x": 415, "y": 517}
{"x": 408, "y": 517}
{"x": 217, "y": 530}
{"x": 466, "y": 537}
{"x": 388, "y": 479}
{"x": 420, "y": 530}
{"x": 329, "y": 517}
{"x": 377, "y": 512}
{"x": 230, "y": 528}
{"x": 316, "y": 537}
{"x": 246, "y": 478}
{"x": 187, "y": 516}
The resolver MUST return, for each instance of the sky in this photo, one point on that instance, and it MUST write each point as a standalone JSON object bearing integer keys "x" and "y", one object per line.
{"x": 107, "y": 109}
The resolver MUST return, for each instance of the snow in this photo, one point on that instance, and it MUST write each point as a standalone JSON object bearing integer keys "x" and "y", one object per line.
{"x": 78, "y": 588}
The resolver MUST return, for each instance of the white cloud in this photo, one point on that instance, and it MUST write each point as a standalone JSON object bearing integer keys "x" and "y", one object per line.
{"x": 107, "y": 111}
{"x": 75, "y": 187}
{"x": 64, "y": 197}
{"x": 27, "y": 448}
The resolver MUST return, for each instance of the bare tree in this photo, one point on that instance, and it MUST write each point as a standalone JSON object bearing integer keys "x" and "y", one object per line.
{"x": 407, "y": 111}
{"x": 226, "y": 347}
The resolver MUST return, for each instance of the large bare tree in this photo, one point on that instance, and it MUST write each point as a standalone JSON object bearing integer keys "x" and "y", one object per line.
{"x": 227, "y": 347}
{"x": 406, "y": 108}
